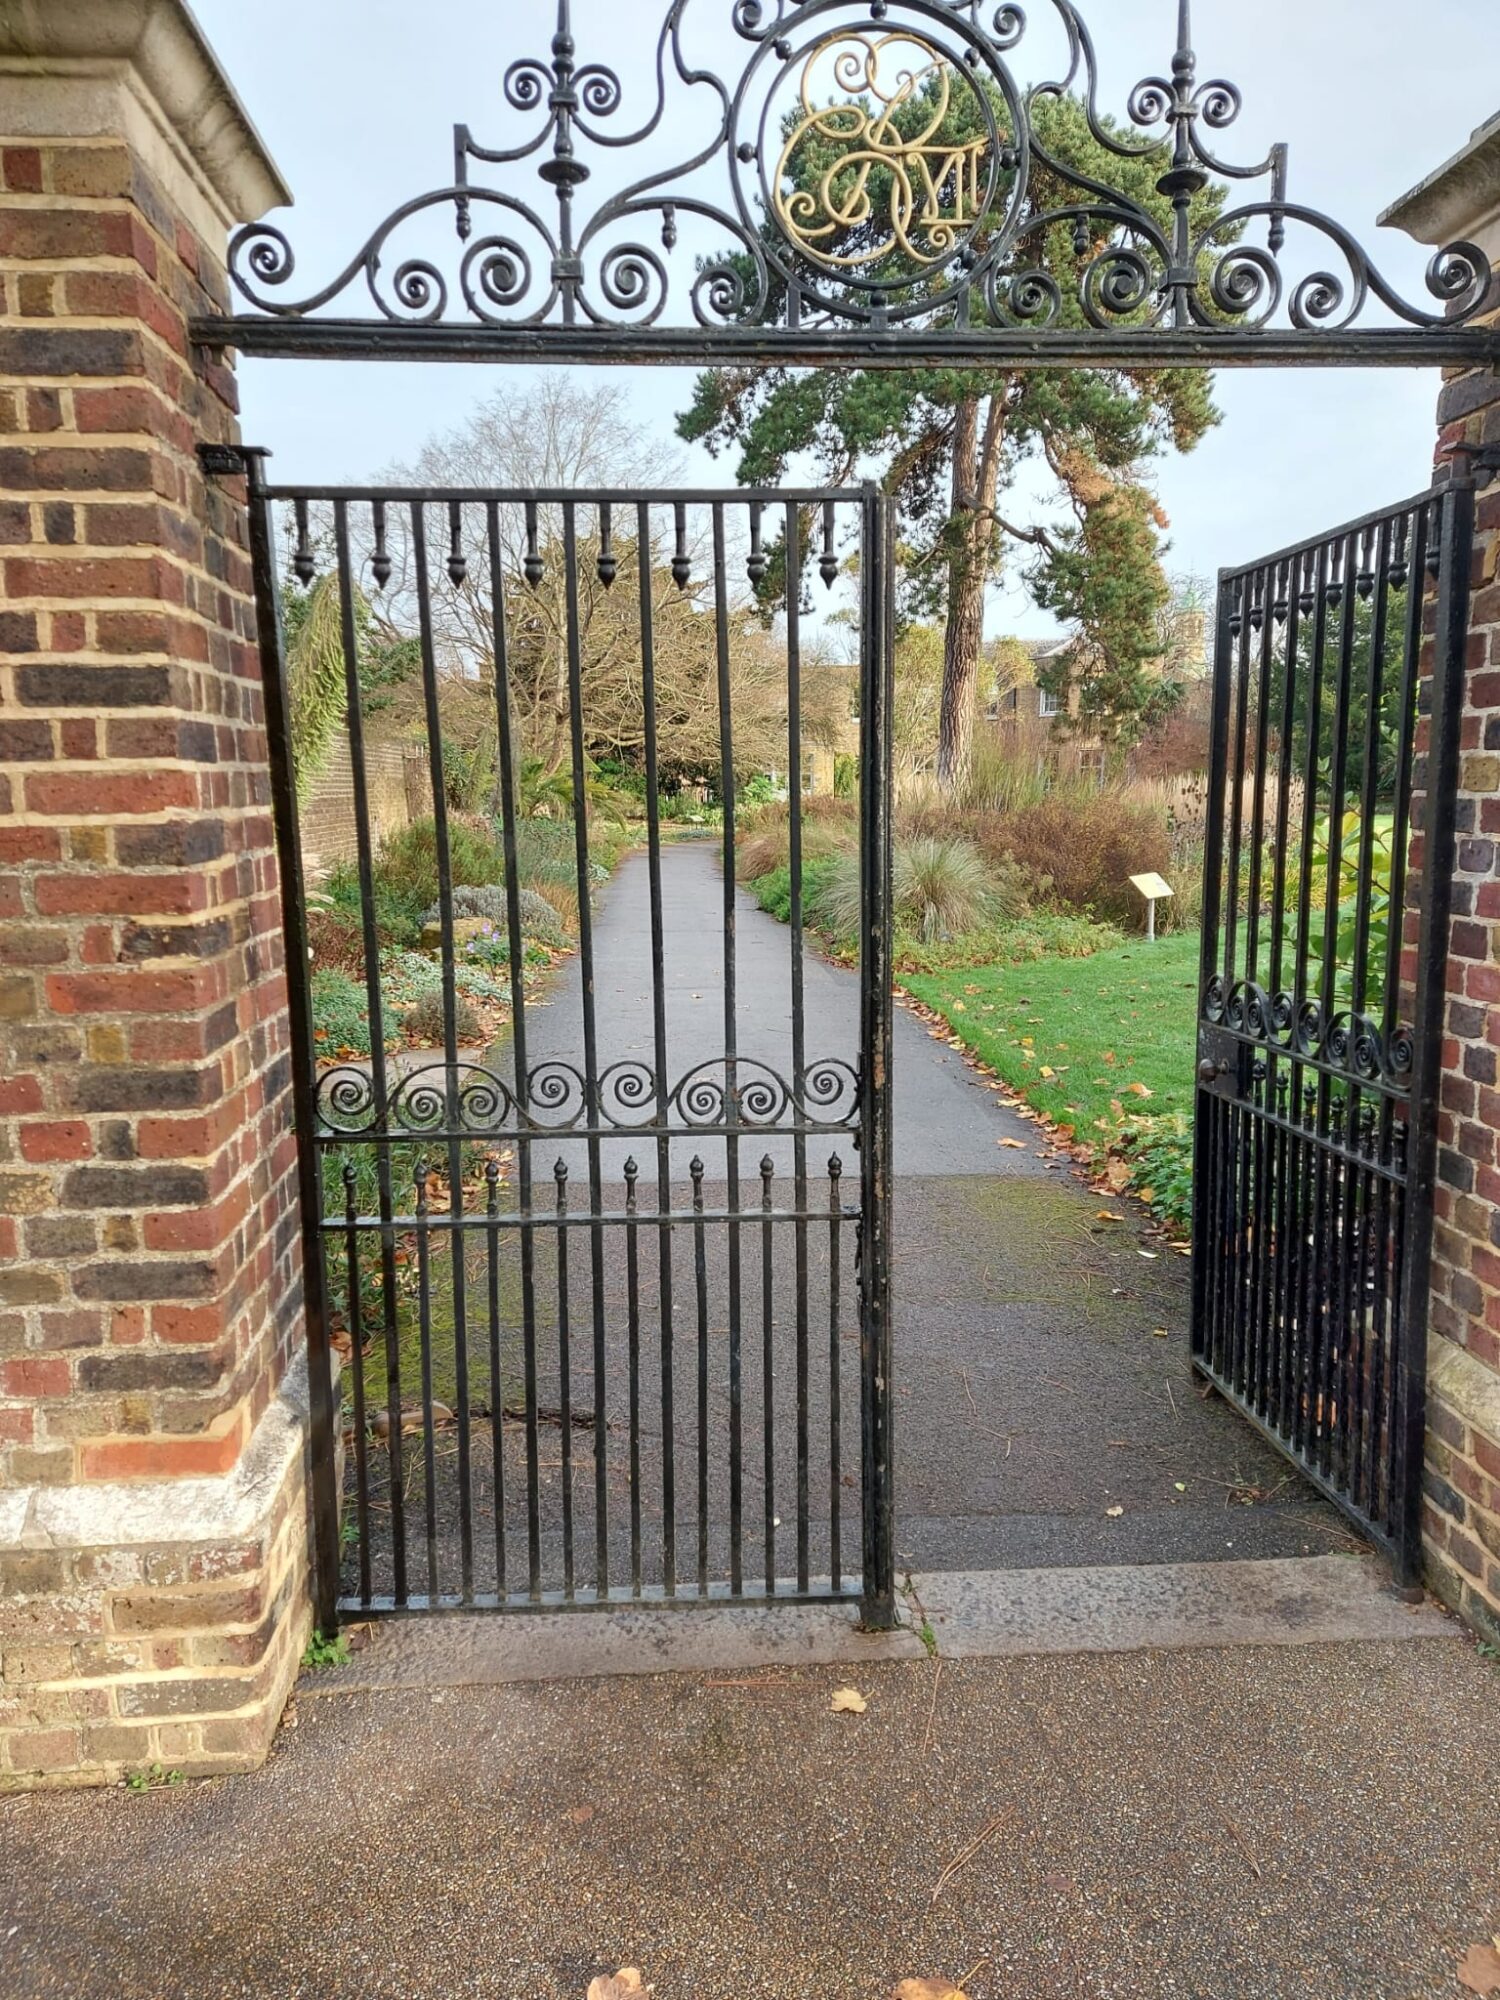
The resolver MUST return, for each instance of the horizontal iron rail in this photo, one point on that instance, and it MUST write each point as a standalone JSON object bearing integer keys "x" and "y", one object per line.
{"x": 1325, "y": 1143}
{"x": 479, "y": 1221}
{"x": 559, "y": 1134}
{"x": 1396, "y": 1095}
{"x": 582, "y": 496}
{"x": 895, "y": 347}
{"x": 1345, "y": 533}
{"x": 686, "y": 1597}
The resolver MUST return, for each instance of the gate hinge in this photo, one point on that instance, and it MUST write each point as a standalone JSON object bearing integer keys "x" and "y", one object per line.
{"x": 1479, "y": 462}
{"x": 222, "y": 461}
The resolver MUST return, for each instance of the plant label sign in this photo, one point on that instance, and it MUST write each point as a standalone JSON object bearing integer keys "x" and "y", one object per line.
{"x": 1152, "y": 887}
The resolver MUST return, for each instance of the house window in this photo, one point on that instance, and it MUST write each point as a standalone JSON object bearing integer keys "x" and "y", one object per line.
{"x": 1047, "y": 702}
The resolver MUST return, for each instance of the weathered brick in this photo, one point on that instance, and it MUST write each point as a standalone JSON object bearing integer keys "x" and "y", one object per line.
{"x": 157, "y": 1278}
{"x": 59, "y": 685}
{"x": 150, "y": 1187}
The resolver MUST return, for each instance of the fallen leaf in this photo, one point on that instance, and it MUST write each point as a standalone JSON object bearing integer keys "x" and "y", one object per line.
{"x": 927, "y": 1989}
{"x": 580, "y": 1815}
{"x": 1114, "y": 1513}
{"x": 1015, "y": 1145}
{"x": 1107, "y": 1215}
{"x": 1160, "y": 1332}
{"x": 1138, "y": 1090}
{"x": 1480, "y": 1969}
{"x": 848, "y": 1701}
{"x": 624, "y": 1983}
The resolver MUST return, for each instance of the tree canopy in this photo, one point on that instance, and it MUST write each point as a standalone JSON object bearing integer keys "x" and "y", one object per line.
{"x": 954, "y": 443}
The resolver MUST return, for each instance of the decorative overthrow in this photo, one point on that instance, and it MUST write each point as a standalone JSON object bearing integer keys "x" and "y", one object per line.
{"x": 870, "y": 166}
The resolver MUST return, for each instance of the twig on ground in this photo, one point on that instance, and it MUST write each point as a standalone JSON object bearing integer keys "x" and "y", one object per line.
{"x": 1173, "y": 1401}
{"x": 1005, "y": 1437}
{"x": 1245, "y": 1848}
{"x": 961, "y": 1860}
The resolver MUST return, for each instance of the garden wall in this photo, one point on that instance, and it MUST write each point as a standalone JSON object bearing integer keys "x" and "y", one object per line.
{"x": 153, "y": 1539}
{"x": 1462, "y": 1486}
{"x": 397, "y": 790}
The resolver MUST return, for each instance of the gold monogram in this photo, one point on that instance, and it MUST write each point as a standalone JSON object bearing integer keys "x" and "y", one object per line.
{"x": 936, "y": 186}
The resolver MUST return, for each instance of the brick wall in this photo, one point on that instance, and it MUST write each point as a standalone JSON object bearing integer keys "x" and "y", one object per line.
{"x": 1461, "y": 1508}
{"x": 1462, "y": 1486}
{"x": 149, "y": 1271}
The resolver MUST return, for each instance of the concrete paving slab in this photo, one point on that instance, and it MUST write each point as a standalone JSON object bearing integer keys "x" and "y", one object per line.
{"x": 1301, "y": 1601}
{"x": 974, "y": 1614}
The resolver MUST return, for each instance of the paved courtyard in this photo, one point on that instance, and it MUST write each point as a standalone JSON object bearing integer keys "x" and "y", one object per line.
{"x": 1305, "y": 1823}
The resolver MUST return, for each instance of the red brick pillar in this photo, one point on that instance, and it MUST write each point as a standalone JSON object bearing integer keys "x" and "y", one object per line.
{"x": 153, "y": 1545}
{"x": 1462, "y": 1498}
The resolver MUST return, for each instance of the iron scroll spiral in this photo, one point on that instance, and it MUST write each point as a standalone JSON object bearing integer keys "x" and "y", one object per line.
{"x": 467, "y": 1100}
{"x": 1350, "y": 1043}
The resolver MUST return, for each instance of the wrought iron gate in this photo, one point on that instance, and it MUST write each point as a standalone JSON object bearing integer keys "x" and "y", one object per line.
{"x": 592, "y": 1293}
{"x": 1329, "y": 853}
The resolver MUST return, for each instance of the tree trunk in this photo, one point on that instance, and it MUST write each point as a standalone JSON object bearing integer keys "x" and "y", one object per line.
{"x": 963, "y": 643}
{"x": 976, "y": 468}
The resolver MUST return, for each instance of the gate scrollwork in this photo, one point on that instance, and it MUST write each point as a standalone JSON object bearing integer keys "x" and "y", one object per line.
{"x": 869, "y": 165}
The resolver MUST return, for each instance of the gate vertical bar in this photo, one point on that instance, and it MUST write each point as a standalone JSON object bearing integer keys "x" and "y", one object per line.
{"x": 323, "y": 1475}
{"x": 1204, "y": 1177}
{"x": 1439, "y": 817}
{"x": 877, "y": 1468}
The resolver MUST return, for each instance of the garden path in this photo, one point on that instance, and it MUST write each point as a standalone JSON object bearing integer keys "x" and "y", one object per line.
{"x": 1047, "y": 1413}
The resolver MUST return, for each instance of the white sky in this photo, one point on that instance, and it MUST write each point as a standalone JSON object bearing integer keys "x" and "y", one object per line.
{"x": 357, "y": 98}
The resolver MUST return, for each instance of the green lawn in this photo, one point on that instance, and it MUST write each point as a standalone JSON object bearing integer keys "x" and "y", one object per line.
{"x": 1101, "y": 1046}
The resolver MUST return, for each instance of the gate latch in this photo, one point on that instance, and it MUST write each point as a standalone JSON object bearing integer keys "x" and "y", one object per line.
{"x": 1225, "y": 1063}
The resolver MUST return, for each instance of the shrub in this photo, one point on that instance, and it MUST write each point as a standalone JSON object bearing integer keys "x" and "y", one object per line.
{"x": 398, "y": 913}
{"x": 774, "y": 891}
{"x": 829, "y": 826}
{"x": 488, "y": 900}
{"x": 1089, "y": 842}
{"x": 408, "y": 862}
{"x": 941, "y": 888}
{"x": 341, "y": 1021}
{"x": 424, "y": 1021}
{"x": 336, "y": 937}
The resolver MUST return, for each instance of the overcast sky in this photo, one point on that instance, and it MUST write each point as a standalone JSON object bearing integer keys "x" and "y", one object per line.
{"x": 357, "y": 98}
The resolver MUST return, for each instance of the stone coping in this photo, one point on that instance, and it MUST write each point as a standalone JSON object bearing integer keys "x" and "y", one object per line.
{"x": 121, "y": 1514}
{"x": 167, "y": 56}
{"x": 1461, "y": 198}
